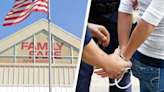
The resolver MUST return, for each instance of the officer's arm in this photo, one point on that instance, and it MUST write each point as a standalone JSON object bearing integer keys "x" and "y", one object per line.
{"x": 149, "y": 20}
{"x": 94, "y": 56}
{"x": 100, "y": 32}
{"x": 112, "y": 64}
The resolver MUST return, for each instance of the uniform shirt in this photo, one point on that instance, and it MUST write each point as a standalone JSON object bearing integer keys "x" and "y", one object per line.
{"x": 113, "y": 34}
{"x": 102, "y": 1}
{"x": 151, "y": 11}
{"x": 88, "y": 37}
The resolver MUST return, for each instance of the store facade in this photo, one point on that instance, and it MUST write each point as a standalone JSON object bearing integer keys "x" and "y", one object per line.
{"x": 24, "y": 56}
{"x": 20, "y": 47}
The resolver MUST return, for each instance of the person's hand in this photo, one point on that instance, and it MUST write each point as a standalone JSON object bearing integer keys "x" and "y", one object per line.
{"x": 135, "y": 4}
{"x": 116, "y": 65}
{"x": 104, "y": 74}
{"x": 100, "y": 32}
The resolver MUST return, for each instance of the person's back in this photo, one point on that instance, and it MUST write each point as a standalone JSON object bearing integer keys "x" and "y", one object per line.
{"x": 154, "y": 45}
{"x": 148, "y": 40}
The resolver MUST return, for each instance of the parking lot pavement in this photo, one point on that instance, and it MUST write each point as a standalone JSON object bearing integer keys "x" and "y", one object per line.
{"x": 99, "y": 84}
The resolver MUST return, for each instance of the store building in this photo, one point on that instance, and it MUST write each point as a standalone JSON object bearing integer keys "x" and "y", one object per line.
{"x": 20, "y": 66}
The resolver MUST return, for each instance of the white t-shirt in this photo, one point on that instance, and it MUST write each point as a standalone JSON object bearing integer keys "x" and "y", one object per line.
{"x": 151, "y": 11}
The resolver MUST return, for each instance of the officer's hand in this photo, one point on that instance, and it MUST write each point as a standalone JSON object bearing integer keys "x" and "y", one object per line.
{"x": 104, "y": 74}
{"x": 116, "y": 65}
{"x": 135, "y": 4}
{"x": 101, "y": 72}
{"x": 100, "y": 32}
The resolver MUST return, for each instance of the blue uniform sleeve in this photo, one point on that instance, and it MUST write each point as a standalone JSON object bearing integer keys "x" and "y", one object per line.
{"x": 88, "y": 37}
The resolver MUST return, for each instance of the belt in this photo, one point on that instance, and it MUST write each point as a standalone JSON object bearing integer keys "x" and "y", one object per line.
{"x": 109, "y": 24}
{"x": 105, "y": 7}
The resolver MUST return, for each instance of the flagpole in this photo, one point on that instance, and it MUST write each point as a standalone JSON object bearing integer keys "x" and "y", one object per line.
{"x": 49, "y": 28}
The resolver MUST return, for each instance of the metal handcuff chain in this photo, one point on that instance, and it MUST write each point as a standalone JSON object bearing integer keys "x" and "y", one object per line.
{"x": 118, "y": 81}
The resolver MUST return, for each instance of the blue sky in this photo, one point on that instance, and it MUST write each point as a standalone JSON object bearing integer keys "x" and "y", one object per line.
{"x": 67, "y": 14}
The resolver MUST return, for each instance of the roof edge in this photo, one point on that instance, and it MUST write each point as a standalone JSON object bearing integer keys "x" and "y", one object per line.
{"x": 43, "y": 19}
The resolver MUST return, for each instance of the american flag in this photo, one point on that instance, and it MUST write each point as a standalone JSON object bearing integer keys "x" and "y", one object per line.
{"x": 22, "y": 9}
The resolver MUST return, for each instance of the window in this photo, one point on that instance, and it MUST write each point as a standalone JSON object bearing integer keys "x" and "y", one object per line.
{"x": 35, "y": 49}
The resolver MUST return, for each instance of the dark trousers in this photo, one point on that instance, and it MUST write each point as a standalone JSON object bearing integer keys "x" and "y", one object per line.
{"x": 84, "y": 78}
{"x": 86, "y": 70}
{"x": 85, "y": 73}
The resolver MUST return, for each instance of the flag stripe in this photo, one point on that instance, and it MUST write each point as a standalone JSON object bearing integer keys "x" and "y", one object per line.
{"x": 21, "y": 18}
{"x": 29, "y": 2}
{"x": 13, "y": 18}
{"x": 25, "y": 1}
{"x": 19, "y": 6}
{"x": 19, "y": 3}
{"x": 22, "y": 9}
{"x": 22, "y": 12}
{"x": 26, "y": 5}
{"x": 13, "y": 23}
{"x": 18, "y": 9}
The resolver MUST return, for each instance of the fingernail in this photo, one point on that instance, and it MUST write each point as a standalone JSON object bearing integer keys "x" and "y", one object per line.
{"x": 104, "y": 38}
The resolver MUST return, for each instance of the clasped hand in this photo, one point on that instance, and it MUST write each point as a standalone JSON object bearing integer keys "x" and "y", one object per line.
{"x": 114, "y": 65}
{"x": 116, "y": 68}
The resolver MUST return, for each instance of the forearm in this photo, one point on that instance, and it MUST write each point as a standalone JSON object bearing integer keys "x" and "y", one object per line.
{"x": 112, "y": 64}
{"x": 142, "y": 31}
{"x": 124, "y": 27}
{"x": 93, "y": 55}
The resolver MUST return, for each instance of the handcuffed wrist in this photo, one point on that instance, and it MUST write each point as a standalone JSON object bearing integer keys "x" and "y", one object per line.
{"x": 123, "y": 57}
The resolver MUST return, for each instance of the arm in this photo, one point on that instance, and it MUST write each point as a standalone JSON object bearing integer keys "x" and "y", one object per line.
{"x": 139, "y": 35}
{"x": 125, "y": 19}
{"x": 100, "y": 32}
{"x": 94, "y": 56}
{"x": 149, "y": 20}
{"x": 124, "y": 27}
{"x": 124, "y": 22}
{"x": 112, "y": 64}
{"x": 135, "y": 4}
